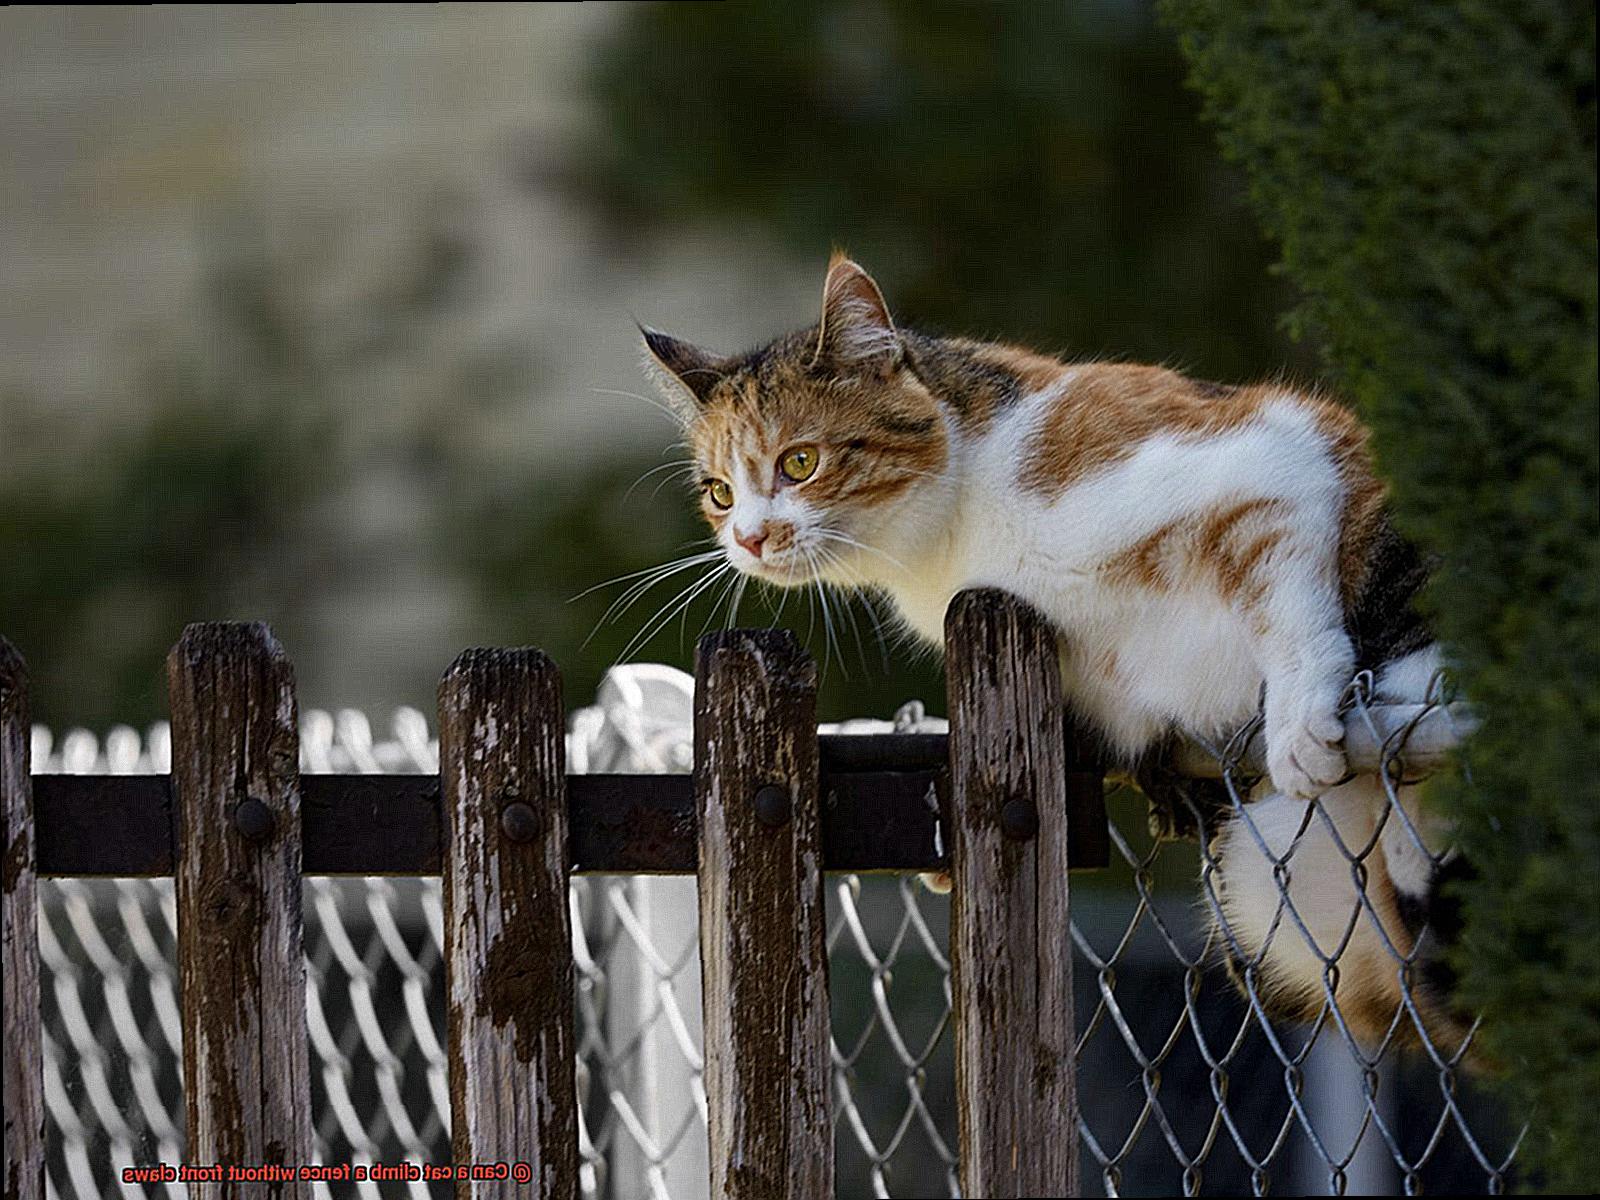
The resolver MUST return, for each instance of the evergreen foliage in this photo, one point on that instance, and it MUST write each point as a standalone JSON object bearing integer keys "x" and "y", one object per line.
{"x": 1429, "y": 173}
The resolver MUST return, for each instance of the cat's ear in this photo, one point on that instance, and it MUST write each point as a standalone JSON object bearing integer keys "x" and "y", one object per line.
{"x": 856, "y": 335}
{"x": 687, "y": 372}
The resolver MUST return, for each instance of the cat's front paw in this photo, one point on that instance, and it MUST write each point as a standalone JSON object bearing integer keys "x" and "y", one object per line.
{"x": 1306, "y": 758}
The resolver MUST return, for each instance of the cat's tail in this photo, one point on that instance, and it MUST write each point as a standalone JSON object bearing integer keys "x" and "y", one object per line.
{"x": 1338, "y": 903}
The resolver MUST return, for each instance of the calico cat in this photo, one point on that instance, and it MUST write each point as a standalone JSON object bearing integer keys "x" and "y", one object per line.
{"x": 1198, "y": 546}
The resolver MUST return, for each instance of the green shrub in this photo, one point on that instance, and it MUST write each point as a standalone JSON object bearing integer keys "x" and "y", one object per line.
{"x": 1429, "y": 172}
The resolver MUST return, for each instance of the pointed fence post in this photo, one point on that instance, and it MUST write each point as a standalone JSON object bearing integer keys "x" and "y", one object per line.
{"x": 1011, "y": 948}
{"x": 241, "y": 955}
{"x": 508, "y": 927}
{"x": 763, "y": 960}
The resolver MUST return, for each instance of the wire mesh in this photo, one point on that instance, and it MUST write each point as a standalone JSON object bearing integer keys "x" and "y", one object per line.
{"x": 1187, "y": 1082}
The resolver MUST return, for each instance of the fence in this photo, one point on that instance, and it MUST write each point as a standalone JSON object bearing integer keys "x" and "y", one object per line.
{"x": 494, "y": 832}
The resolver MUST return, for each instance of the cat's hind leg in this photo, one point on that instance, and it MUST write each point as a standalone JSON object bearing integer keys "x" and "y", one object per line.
{"x": 1341, "y": 898}
{"x": 1304, "y": 909}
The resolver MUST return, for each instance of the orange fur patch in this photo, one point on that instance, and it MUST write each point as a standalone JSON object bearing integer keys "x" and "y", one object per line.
{"x": 1151, "y": 562}
{"x": 1229, "y": 543}
{"x": 1109, "y": 409}
{"x": 1236, "y": 541}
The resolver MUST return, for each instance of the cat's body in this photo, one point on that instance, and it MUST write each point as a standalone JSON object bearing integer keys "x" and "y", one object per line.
{"x": 1180, "y": 586}
{"x": 1198, "y": 547}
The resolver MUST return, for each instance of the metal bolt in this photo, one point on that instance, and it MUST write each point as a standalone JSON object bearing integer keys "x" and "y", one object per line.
{"x": 1019, "y": 819}
{"x": 253, "y": 819}
{"x": 772, "y": 805}
{"x": 519, "y": 822}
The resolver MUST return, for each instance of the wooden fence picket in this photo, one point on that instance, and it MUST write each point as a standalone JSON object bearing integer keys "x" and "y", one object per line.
{"x": 241, "y": 956}
{"x": 19, "y": 943}
{"x": 508, "y": 928}
{"x": 763, "y": 960}
{"x": 1010, "y": 947}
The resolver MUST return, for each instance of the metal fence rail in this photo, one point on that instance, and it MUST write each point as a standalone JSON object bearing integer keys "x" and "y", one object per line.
{"x": 1184, "y": 1085}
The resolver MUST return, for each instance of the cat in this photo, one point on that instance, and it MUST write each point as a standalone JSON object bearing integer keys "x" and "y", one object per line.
{"x": 1197, "y": 546}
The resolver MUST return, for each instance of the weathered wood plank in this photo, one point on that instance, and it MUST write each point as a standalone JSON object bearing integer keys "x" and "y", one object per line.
{"x": 19, "y": 944}
{"x": 241, "y": 965}
{"x": 1010, "y": 946}
{"x": 508, "y": 931}
{"x": 763, "y": 962}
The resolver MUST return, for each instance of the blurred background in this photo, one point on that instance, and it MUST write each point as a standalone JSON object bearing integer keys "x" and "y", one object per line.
{"x": 325, "y": 316}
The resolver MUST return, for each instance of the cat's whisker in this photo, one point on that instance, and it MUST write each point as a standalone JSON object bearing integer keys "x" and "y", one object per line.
{"x": 738, "y": 598}
{"x": 637, "y": 591}
{"x": 683, "y": 466}
{"x": 851, "y": 596}
{"x": 868, "y": 597}
{"x": 704, "y": 586}
{"x": 662, "y": 408}
{"x": 645, "y": 571}
{"x": 672, "y": 608}
{"x": 783, "y": 599}
{"x": 827, "y": 625}
{"x": 730, "y": 598}
{"x": 736, "y": 595}
{"x": 829, "y": 640}
{"x": 811, "y": 614}
{"x": 690, "y": 470}
{"x": 846, "y": 600}
{"x": 688, "y": 475}
{"x": 848, "y": 593}
{"x": 722, "y": 597}
{"x": 867, "y": 590}
{"x": 834, "y": 535}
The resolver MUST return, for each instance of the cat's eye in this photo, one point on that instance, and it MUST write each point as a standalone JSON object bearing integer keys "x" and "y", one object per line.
{"x": 799, "y": 464}
{"x": 721, "y": 492}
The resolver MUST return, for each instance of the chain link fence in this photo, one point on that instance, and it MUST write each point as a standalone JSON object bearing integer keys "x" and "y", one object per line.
{"x": 1186, "y": 1084}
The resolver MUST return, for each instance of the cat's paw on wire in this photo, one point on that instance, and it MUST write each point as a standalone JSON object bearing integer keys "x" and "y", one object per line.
{"x": 1307, "y": 758}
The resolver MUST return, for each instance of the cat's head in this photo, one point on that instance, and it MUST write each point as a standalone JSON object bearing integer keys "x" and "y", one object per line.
{"x": 810, "y": 450}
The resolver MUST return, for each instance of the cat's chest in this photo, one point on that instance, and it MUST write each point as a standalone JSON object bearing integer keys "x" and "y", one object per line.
{"x": 922, "y": 604}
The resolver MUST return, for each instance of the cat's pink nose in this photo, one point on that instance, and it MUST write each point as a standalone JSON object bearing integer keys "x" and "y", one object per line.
{"x": 751, "y": 541}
